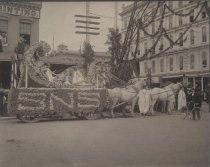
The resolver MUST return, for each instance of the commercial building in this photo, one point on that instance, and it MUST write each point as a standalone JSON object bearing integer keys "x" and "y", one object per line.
{"x": 16, "y": 19}
{"x": 189, "y": 58}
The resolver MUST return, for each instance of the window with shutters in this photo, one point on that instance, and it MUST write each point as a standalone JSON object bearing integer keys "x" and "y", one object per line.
{"x": 181, "y": 61}
{"x": 145, "y": 47}
{"x": 171, "y": 64}
{"x": 192, "y": 37}
{"x": 145, "y": 67}
{"x": 180, "y": 4}
{"x": 181, "y": 39}
{"x": 153, "y": 27}
{"x": 191, "y": 16}
{"x": 170, "y": 22}
{"x": 153, "y": 66}
{"x": 192, "y": 61}
{"x": 203, "y": 15}
{"x": 204, "y": 60}
{"x": 161, "y": 44}
{"x": 161, "y": 65}
{"x": 180, "y": 21}
{"x": 170, "y": 4}
{"x": 204, "y": 34}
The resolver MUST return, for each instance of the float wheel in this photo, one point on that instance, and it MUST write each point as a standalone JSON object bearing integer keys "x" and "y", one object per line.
{"x": 92, "y": 115}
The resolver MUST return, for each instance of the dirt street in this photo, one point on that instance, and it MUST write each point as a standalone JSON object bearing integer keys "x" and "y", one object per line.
{"x": 165, "y": 140}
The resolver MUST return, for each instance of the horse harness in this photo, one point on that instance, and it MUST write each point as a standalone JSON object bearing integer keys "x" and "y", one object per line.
{"x": 136, "y": 91}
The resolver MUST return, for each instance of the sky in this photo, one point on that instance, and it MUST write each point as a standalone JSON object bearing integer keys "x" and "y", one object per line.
{"x": 57, "y": 19}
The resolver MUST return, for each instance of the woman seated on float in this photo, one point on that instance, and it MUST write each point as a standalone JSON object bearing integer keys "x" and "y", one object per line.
{"x": 78, "y": 78}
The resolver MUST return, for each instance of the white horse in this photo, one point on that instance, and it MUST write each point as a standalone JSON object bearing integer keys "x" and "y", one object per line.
{"x": 148, "y": 98}
{"x": 126, "y": 95}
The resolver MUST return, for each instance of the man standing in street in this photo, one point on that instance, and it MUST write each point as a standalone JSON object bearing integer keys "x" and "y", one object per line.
{"x": 197, "y": 98}
{"x": 1, "y": 100}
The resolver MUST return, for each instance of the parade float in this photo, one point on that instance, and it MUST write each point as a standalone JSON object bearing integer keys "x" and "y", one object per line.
{"x": 53, "y": 97}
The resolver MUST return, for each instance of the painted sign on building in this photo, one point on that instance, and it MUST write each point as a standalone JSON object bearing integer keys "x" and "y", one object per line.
{"x": 20, "y": 11}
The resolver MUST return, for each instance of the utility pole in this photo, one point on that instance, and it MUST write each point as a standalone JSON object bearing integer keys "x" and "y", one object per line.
{"x": 87, "y": 21}
{"x": 116, "y": 14}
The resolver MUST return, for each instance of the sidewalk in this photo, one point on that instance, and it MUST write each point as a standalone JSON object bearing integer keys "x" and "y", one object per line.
{"x": 205, "y": 107}
{"x": 6, "y": 117}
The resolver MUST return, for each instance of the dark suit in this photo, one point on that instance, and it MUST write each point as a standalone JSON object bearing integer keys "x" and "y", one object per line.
{"x": 197, "y": 99}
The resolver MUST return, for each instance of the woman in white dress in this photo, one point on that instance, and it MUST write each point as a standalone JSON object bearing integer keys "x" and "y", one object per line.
{"x": 77, "y": 77}
{"x": 181, "y": 100}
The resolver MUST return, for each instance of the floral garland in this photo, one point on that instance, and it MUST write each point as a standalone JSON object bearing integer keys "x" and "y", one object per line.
{"x": 37, "y": 69}
{"x": 46, "y": 101}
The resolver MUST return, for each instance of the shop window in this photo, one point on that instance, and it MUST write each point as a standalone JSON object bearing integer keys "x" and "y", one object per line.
{"x": 204, "y": 34}
{"x": 161, "y": 65}
{"x": 3, "y": 32}
{"x": 153, "y": 66}
{"x": 192, "y": 61}
{"x": 25, "y": 32}
{"x": 192, "y": 37}
{"x": 181, "y": 61}
{"x": 171, "y": 64}
{"x": 204, "y": 60}
{"x": 170, "y": 21}
{"x": 145, "y": 67}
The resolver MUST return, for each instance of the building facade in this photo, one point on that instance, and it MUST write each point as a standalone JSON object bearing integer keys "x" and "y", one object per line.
{"x": 190, "y": 58}
{"x": 16, "y": 19}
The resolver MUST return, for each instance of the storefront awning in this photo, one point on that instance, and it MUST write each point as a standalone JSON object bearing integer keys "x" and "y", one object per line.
{"x": 196, "y": 74}
{"x": 173, "y": 76}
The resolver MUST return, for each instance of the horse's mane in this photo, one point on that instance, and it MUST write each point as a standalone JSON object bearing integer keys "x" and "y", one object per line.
{"x": 175, "y": 89}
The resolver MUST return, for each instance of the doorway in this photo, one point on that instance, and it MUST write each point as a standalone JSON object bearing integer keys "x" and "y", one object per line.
{"x": 5, "y": 74}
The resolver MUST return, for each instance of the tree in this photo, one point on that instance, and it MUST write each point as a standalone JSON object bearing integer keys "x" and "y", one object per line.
{"x": 115, "y": 46}
{"x": 88, "y": 54}
{"x": 114, "y": 40}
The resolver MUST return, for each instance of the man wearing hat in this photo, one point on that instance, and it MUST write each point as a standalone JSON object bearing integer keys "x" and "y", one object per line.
{"x": 197, "y": 99}
{"x": 19, "y": 50}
